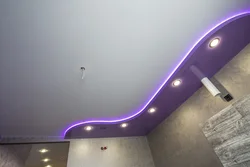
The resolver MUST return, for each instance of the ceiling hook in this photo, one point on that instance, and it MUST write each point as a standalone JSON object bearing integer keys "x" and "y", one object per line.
{"x": 83, "y": 72}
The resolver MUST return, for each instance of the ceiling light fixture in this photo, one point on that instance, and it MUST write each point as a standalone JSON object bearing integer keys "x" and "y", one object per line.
{"x": 144, "y": 106}
{"x": 48, "y": 166}
{"x": 43, "y": 150}
{"x": 124, "y": 125}
{"x": 46, "y": 160}
{"x": 152, "y": 110}
{"x": 88, "y": 128}
{"x": 176, "y": 82}
{"x": 214, "y": 42}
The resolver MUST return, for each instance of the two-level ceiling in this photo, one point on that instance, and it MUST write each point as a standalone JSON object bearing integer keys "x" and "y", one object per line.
{"x": 128, "y": 49}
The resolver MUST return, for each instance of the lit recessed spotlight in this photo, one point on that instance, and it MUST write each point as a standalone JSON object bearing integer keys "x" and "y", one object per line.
{"x": 152, "y": 110}
{"x": 124, "y": 125}
{"x": 88, "y": 128}
{"x": 214, "y": 42}
{"x": 43, "y": 150}
{"x": 48, "y": 166}
{"x": 176, "y": 83}
{"x": 46, "y": 160}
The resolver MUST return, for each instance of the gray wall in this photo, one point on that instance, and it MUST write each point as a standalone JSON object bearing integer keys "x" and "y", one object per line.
{"x": 178, "y": 141}
{"x": 121, "y": 152}
{"x": 14, "y": 155}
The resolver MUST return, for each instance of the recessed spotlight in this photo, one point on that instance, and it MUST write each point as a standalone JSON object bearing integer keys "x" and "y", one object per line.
{"x": 46, "y": 160}
{"x": 176, "y": 83}
{"x": 48, "y": 166}
{"x": 152, "y": 110}
{"x": 88, "y": 128}
{"x": 124, "y": 125}
{"x": 214, "y": 42}
{"x": 43, "y": 150}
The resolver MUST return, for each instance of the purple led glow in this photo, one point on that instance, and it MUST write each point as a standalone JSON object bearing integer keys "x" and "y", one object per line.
{"x": 116, "y": 121}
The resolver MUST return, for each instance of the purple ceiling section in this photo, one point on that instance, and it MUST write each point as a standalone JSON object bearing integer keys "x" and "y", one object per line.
{"x": 234, "y": 35}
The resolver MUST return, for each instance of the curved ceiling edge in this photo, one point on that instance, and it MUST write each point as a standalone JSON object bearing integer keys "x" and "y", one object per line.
{"x": 136, "y": 114}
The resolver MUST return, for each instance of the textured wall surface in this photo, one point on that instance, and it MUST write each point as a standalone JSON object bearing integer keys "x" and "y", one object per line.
{"x": 229, "y": 134}
{"x": 14, "y": 155}
{"x": 179, "y": 141}
{"x": 121, "y": 152}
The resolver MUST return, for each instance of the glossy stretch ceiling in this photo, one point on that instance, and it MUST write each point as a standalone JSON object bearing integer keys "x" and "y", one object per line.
{"x": 128, "y": 48}
{"x": 30, "y": 155}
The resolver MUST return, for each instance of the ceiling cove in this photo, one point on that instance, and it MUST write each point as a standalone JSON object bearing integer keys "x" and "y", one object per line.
{"x": 233, "y": 33}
